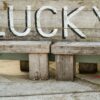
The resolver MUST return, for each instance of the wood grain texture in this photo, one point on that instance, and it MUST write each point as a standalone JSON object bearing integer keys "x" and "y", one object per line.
{"x": 65, "y": 68}
{"x": 85, "y": 20}
{"x": 24, "y": 46}
{"x": 38, "y": 66}
{"x": 76, "y": 48}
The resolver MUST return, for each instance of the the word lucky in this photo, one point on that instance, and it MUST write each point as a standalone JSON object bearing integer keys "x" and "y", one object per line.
{"x": 65, "y": 21}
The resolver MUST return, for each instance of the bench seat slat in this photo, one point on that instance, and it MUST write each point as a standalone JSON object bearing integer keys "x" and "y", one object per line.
{"x": 76, "y": 48}
{"x": 24, "y": 46}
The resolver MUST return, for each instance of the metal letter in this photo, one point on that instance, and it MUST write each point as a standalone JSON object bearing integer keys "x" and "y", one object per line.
{"x": 66, "y": 22}
{"x": 28, "y": 22}
{"x": 38, "y": 25}
{"x": 96, "y": 11}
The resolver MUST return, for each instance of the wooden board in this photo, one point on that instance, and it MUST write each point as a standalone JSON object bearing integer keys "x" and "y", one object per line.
{"x": 38, "y": 66}
{"x": 85, "y": 20}
{"x": 24, "y": 46}
{"x": 76, "y": 48}
{"x": 65, "y": 68}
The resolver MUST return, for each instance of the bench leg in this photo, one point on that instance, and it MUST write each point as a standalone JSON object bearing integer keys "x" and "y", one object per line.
{"x": 38, "y": 66}
{"x": 65, "y": 67}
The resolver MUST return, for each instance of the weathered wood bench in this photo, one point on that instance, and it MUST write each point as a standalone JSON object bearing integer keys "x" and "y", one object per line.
{"x": 65, "y": 53}
{"x": 37, "y": 52}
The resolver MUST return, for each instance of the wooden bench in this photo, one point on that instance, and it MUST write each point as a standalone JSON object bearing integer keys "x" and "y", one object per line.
{"x": 37, "y": 52}
{"x": 65, "y": 53}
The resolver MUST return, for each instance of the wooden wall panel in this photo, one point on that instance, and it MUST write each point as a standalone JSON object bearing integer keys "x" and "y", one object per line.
{"x": 85, "y": 20}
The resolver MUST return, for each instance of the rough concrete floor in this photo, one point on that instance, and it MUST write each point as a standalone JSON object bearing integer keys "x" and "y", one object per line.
{"x": 15, "y": 85}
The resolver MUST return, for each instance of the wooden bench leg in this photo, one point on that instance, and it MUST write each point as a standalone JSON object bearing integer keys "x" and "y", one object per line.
{"x": 38, "y": 66}
{"x": 65, "y": 67}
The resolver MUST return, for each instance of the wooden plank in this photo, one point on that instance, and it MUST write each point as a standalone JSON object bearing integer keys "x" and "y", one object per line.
{"x": 88, "y": 25}
{"x": 93, "y": 95}
{"x": 92, "y": 35}
{"x": 38, "y": 66}
{"x": 35, "y": 4}
{"x": 76, "y": 48}
{"x": 24, "y": 46}
{"x": 37, "y": 88}
{"x": 65, "y": 67}
{"x": 34, "y": 67}
{"x": 87, "y": 22}
{"x": 44, "y": 67}
{"x": 58, "y": 4}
